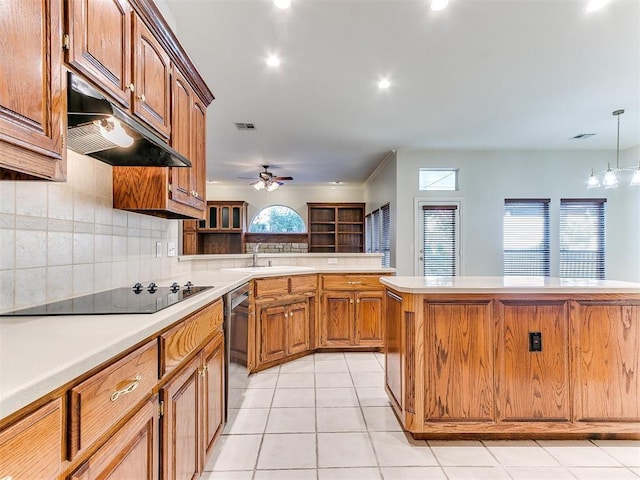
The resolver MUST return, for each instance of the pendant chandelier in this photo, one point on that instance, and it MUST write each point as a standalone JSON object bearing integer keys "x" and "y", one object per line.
{"x": 611, "y": 176}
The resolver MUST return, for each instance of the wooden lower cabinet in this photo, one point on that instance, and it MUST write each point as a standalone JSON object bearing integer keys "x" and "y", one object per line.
{"x": 32, "y": 447}
{"x": 351, "y": 319}
{"x": 193, "y": 412}
{"x": 132, "y": 453}
{"x": 284, "y": 330}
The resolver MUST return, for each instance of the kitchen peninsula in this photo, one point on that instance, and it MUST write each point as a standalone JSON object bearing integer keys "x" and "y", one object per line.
{"x": 513, "y": 357}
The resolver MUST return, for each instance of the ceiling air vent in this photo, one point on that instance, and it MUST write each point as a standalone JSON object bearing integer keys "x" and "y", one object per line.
{"x": 582, "y": 136}
{"x": 244, "y": 126}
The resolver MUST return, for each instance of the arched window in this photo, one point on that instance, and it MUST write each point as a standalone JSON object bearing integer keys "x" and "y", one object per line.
{"x": 277, "y": 219}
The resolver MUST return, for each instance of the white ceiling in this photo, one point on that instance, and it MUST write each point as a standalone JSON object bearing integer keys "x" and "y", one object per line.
{"x": 482, "y": 74}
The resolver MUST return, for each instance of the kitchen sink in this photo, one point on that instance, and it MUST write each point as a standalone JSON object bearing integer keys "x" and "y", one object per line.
{"x": 270, "y": 269}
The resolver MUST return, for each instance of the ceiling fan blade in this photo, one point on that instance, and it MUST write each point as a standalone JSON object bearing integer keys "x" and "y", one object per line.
{"x": 283, "y": 178}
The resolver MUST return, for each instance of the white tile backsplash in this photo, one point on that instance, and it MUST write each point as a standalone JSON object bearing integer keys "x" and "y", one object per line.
{"x": 65, "y": 239}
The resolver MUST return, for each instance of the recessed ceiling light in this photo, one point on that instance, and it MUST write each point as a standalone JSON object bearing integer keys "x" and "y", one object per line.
{"x": 337, "y": 182}
{"x": 273, "y": 61}
{"x": 384, "y": 83}
{"x": 437, "y": 5}
{"x": 283, "y": 4}
{"x": 593, "y": 5}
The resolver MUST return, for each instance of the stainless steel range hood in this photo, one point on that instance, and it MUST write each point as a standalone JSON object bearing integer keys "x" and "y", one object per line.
{"x": 87, "y": 107}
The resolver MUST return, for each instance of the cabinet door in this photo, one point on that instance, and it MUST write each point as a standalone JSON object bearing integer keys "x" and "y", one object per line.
{"x": 368, "y": 319}
{"x": 298, "y": 327}
{"x": 189, "y": 237}
{"x": 32, "y": 448}
{"x": 336, "y": 327}
{"x": 181, "y": 424}
{"x": 100, "y": 44}
{"x": 607, "y": 363}
{"x": 459, "y": 354}
{"x": 181, "y": 131}
{"x": 533, "y": 385}
{"x": 213, "y": 390}
{"x": 131, "y": 453}
{"x": 151, "y": 68}
{"x": 198, "y": 156}
{"x": 31, "y": 103}
{"x": 272, "y": 333}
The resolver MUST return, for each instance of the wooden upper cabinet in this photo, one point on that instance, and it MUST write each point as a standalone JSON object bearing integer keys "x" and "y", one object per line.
{"x": 100, "y": 44}
{"x": 32, "y": 125}
{"x": 152, "y": 82}
{"x": 198, "y": 153}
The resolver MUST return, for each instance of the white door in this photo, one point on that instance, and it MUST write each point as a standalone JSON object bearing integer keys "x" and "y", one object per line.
{"x": 438, "y": 238}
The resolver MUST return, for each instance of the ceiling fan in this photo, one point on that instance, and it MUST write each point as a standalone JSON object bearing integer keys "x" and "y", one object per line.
{"x": 268, "y": 180}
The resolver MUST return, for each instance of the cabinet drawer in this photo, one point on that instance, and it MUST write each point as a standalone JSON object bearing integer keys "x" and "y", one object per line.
{"x": 269, "y": 287}
{"x": 351, "y": 282}
{"x": 302, "y": 283}
{"x": 183, "y": 339}
{"x": 32, "y": 448}
{"x": 100, "y": 401}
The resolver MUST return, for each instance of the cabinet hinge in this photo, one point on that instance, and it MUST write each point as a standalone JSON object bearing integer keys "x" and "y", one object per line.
{"x": 161, "y": 409}
{"x": 65, "y": 41}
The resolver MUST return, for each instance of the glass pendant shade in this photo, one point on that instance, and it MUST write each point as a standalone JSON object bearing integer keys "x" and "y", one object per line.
{"x": 259, "y": 185}
{"x": 593, "y": 181}
{"x": 610, "y": 180}
{"x": 635, "y": 180}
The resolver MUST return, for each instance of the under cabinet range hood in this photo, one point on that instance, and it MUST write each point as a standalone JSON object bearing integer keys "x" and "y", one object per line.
{"x": 98, "y": 128}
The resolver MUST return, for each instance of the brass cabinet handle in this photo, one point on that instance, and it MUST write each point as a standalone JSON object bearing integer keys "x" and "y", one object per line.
{"x": 131, "y": 87}
{"x": 354, "y": 283}
{"x": 128, "y": 389}
{"x": 358, "y": 301}
{"x": 204, "y": 370}
{"x": 142, "y": 97}
{"x": 351, "y": 300}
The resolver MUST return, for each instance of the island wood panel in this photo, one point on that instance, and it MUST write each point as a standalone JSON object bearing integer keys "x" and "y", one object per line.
{"x": 459, "y": 361}
{"x": 393, "y": 354}
{"x": 32, "y": 448}
{"x": 607, "y": 365}
{"x": 533, "y": 386}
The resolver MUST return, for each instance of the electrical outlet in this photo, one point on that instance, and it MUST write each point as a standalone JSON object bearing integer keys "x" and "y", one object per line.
{"x": 158, "y": 249}
{"x": 171, "y": 249}
{"x": 332, "y": 261}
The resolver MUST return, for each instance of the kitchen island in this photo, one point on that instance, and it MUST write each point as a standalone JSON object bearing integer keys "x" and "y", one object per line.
{"x": 513, "y": 357}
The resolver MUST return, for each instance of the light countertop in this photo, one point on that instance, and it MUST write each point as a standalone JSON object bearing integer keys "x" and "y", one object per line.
{"x": 40, "y": 354}
{"x": 488, "y": 285}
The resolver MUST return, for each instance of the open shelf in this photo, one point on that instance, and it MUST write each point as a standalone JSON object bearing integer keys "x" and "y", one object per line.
{"x": 336, "y": 227}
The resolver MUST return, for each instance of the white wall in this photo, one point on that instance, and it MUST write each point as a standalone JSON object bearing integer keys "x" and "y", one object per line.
{"x": 380, "y": 189}
{"x": 291, "y": 195}
{"x": 486, "y": 178}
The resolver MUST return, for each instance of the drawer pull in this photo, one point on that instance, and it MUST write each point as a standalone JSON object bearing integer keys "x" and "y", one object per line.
{"x": 128, "y": 389}
{"x": 354, "y": 283}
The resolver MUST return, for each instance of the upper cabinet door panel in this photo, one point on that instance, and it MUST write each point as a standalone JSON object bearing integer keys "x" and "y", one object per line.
{"x": 199, "y": 156}
{"x": 151, "y": 79}
{"x": 100, "y": 44}
{"x": 30, "y": 85}
{"x": 181, "y": 137}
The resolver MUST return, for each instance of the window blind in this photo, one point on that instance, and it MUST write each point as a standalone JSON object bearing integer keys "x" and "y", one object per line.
{"x": 385, "y": 240}
{"x": 582, "y": 238}
{"x": 526, "y": 237}
{"x": 367, "y": 236}
{"x": 375, "y": 231}
{"x": 439, "y": 234}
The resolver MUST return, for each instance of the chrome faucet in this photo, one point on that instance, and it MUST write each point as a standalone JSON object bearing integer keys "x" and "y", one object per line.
{"x": 255, "y": 255}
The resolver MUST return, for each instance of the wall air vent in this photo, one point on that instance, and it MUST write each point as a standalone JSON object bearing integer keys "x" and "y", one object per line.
{"x": 244, "y": 126}
{"x": 582, "y": 136}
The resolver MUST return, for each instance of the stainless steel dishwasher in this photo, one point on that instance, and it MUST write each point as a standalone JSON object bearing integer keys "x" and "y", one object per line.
{"x": 236, "y": 333}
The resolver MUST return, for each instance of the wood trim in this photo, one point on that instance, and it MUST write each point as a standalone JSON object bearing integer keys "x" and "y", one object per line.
{"x": 276, "y": 237}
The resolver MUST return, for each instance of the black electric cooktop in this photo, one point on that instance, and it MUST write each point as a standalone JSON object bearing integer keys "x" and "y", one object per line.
{"x": 134, "y": 300}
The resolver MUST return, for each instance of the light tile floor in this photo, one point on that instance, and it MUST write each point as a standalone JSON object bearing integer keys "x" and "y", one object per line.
{"x": 327, "y": 417}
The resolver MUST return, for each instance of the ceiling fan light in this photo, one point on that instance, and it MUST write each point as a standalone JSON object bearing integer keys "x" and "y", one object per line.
{"x": 273, "y": 186}
{"x": 593, "y": 181}
{"x": 610, "y": 180}
{"x": 283, "y": 4}
{"x": 635, "y": 180}
{"x": 437, "y": 5}
{"x": 259, "y": 185}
